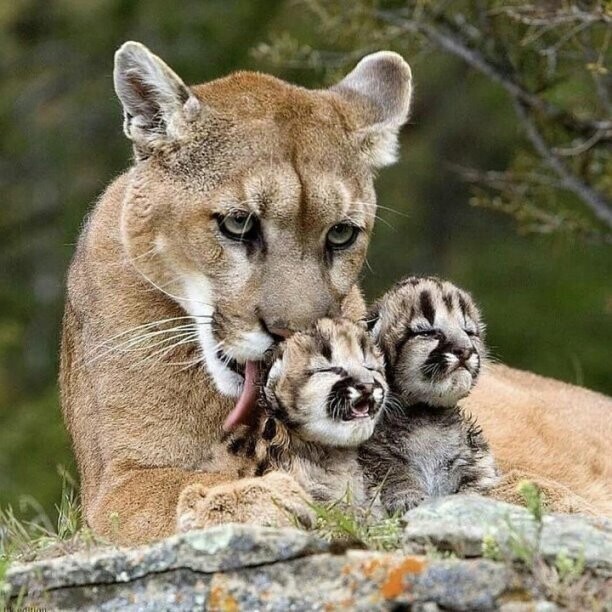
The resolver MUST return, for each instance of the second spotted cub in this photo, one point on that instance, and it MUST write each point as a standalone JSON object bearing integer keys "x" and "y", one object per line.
{"x": 424, "y": 446}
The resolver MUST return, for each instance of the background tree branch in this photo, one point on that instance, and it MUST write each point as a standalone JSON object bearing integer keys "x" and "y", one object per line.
{"x": 551, "y": 59}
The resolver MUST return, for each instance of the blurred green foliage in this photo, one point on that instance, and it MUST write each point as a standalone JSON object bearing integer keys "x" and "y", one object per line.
{"x": 547, "y": 300}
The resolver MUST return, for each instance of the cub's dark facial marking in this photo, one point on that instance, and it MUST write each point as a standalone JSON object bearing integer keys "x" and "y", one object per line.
{"x": 427, "y": 307}
{"x": 432, "y": 336}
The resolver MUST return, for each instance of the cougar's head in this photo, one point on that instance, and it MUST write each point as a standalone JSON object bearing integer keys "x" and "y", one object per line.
{"x": 251, "y": 200}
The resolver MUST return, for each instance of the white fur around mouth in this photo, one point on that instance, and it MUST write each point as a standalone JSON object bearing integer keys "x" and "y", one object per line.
{"x": 227, "y": 381}
{"x": 198, "y": 303}
{"x": 252, "y": 347}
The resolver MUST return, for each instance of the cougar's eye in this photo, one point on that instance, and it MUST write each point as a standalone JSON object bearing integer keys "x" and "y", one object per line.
{"x": 240, "y": 226}
{"x": 342, "y": 235}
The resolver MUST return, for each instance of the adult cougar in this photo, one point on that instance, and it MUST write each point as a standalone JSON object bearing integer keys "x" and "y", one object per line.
{"x": 246, "y": 215}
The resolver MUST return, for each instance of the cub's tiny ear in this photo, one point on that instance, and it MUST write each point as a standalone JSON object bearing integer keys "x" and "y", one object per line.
{"x": 157, "y": 105}
{"x": 371, "y": 320}
{"x": 381, "y": 86}
{"x": 269, "y": 357}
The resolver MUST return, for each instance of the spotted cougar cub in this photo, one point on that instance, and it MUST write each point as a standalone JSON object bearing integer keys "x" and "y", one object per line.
{"x": 432, "y": 337}
{"x": 319, "y": 400}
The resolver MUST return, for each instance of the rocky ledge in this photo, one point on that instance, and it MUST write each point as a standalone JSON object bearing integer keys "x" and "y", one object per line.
{"x": 460, "y": 553}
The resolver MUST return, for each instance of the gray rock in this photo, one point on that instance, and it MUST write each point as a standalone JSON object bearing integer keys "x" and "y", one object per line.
{"x": 460, "y": 523}
{"x": 237, "y": 567}
{"x": 525, "y": 606}
{"x": 357, "y": 580}
{"x": 216, "y": 549}
{"x": 363, "y": 581}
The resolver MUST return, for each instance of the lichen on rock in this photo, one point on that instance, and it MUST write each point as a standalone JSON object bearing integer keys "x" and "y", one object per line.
{"x": 239, "y": 567}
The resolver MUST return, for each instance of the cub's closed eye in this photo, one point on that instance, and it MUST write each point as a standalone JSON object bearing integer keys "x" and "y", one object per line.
{"x": 331, "y": 370}
{"x": 342, "y": 235}
{"x": 239, "y": 226}
{"x": 471, "y": 332}
{"x": 426, "y": 332}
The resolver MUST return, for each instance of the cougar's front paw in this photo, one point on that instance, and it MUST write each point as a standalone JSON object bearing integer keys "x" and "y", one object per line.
{"x": 274, "y": 500}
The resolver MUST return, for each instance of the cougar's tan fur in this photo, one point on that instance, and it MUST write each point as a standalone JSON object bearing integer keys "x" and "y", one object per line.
{"x": 556, "y": 434}
{"x": 143, "y": 405}
{"x": 144, "y": 416}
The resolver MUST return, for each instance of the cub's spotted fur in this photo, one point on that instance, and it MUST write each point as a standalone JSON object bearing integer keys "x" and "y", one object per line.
{"x": 321, "y": 398}
{"x": 432, "y": 334}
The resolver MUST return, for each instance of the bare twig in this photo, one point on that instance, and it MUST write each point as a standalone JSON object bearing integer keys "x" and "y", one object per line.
{"x": 532, "y": 16}
{"x": 505, "y": 180}
{"x": 450, "y": 42}
{"x": 596, "y": 201}
{"x": 582, "y": 147}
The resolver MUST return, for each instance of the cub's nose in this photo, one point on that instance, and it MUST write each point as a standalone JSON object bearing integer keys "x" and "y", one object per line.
{"x": 462, "y": 354}
{"x": 365, "y": 389}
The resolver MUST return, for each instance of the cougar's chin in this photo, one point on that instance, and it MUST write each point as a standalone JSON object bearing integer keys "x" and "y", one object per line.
{"x": 226, "y": 363}
{"x": 251, "y": 346}
{"x": 227, "y": 373}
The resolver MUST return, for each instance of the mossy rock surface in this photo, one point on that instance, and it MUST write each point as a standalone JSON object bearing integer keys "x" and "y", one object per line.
{"x": 237, "y": 567}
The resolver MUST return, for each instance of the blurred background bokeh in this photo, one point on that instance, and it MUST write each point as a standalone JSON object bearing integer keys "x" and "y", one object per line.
{"x": 538, "y": 261}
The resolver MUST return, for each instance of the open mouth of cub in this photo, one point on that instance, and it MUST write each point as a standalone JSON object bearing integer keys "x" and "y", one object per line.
{"x": 363, "y": 409}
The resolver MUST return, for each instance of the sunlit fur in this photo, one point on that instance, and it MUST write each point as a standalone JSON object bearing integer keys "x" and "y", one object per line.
{"x": 306, "y": 428}
{"x": 425, "y": 446}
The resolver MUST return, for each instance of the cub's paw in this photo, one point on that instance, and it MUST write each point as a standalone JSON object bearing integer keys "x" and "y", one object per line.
{"x": 401, "y": 501}
{"x": 274, "y": 500}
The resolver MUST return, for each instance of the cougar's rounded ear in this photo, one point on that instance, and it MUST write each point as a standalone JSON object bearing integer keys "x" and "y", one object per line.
{"x": 381, "y": 86}
{"x": 157, "y": 105}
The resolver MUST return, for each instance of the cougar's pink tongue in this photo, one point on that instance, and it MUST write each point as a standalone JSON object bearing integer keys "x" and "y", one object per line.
{"x": 247, "y": 402}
